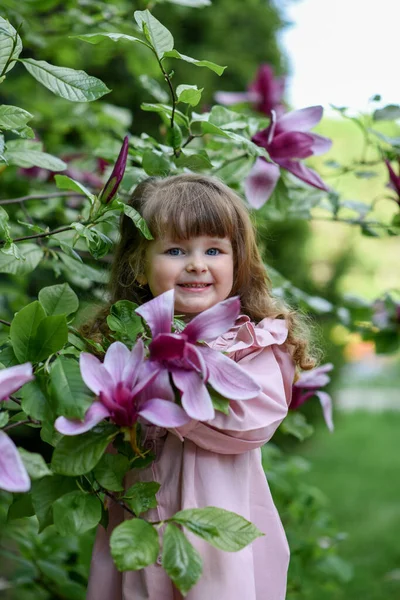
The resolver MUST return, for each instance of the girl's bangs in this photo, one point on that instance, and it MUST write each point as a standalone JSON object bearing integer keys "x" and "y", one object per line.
{"x": 188, "y": 210}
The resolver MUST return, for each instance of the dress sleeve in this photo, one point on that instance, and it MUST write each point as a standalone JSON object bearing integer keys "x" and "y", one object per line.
{"x": 251, "y": 423}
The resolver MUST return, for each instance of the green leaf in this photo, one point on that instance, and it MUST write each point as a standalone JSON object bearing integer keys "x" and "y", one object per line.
{"x": 10, "y": 45}
{"x": 191, "y": 3}
{"x": 124, "y": 321}
{"x": 34, "y": 158}
{"x": 76, "y": 86}
{"x": 45, "y": 492}
{"x": 76, "y": 513}
{"x": 141, "y": 496}
{"x": 4, "y": 416}
{"x": 174, "y": 136}
{"x": 180, "y": 559}
{"x": 97, "y": 38}
{"x": 50, "y": 336}
{"x": 159, "y": 37}
{"x": 296, "y": 424}
{"x": 23, "y": 329}
{"x": 21, "y": 507}
{"x": 154, "y": 88}
{"x": 155, "y": 163}
{"x": 199, "y": 63}
{"x": 166, "y": 111}
{"x": 13, "y": 117}
{"x": 32, "y": 254}
{"x": 34, "y": 400}
{"x": 391, "y": 112}
{"x": 134, "y": 545}
{"x": 85, "y": 272}
{"x": 136, "y": 217}
{"x": 189, "y": 94}
{"x": 63, "y": 182}
{"x": 110, "y": 471}
{"x": 194, "y": 162}
{"x": 219, "y": 402}
{"x": 221, "y": 528}
{"x": 98, "y": 244}
{"x": 77, "y": 455}
{"x": 34, "y": 464}
{"x": 227, "y": 119}
{"x": 71, "y": 396}
{"x": 58, "y": 299}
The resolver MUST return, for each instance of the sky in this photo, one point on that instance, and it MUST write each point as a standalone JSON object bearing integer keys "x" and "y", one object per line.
{"x": 342, "y": 52}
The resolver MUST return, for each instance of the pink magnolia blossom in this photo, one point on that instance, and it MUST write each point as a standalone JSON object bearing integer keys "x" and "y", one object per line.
{"x": 265, "y": 92}
{"x": 394, "y": 181}
{"x": 287, "y": 140}
{"x": 13, "y": 475}
{"x": 191, "y": 365}
{"x": 118, "y": 383}
{"x": 308, "y": 385}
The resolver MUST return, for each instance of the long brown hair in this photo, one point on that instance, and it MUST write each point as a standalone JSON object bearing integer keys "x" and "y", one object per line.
{"x": 191, "y": 205}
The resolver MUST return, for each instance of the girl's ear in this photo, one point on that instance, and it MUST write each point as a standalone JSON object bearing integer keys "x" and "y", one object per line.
{"x": 141, "y": 279}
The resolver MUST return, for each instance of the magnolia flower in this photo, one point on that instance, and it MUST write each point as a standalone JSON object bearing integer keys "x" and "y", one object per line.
{"x": 394, "y": 181}
{"x": 287, "y": 140}
{"x": 112, "y": 185}
{"x": 192, "y": 366}
{"x": 265, "y": 92}
{"x": 118, "y": 383}
{"x": 13, "y": 475}
{"x": 308, "y": 385}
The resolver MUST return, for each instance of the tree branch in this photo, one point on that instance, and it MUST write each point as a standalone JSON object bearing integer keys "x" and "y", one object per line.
{"x": 39, "y": 197}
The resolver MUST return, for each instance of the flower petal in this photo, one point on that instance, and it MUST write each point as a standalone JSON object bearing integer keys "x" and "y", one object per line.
{"x": 95, "y": 413}
{"x": 131, "y": 371}
{"x": 214, "y": 321}
{"x": 164, "y": 413}
{"x": 300, "y": 120}
{"x": 195, "y": 397}
{"x": 194, "y": 358}
{"x": 13, "y": 475}
{"x": 167, "y": 346}
{"x": 12, "y": 378}
{"x": 326, "y": 403}
{"x": 261, "y": 182}
{"x": 321, "y": 144}
{"x": 316, "y": 378}
{"x": 304, "y": 173}
{"x": 229, "y": 98}
{"x": 115, "y": 360}
{"x": 95, "y": 375}
{"x": 291, "y": 144}
{"x": 158, "y": 313}
{"x": 159, "y": 387}
{"x": 228, "y": 378}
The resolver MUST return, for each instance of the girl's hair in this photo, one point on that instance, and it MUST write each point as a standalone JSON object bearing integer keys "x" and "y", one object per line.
{"x": 190, "y": 205}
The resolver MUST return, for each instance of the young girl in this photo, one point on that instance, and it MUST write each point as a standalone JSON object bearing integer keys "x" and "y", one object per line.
{"x": 204, "y": 248}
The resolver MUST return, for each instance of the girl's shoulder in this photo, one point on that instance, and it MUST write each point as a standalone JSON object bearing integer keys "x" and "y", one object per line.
{"x": 245, "y": 335}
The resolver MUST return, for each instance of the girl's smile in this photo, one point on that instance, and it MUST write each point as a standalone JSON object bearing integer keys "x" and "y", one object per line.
{"x": 200, "y": 270}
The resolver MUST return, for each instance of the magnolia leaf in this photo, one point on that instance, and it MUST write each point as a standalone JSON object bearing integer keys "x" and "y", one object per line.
{"x": 155, "y": 163}
{"x": 70, "y": 395}
{"x": 391, "y": 112}
{"x": 154, "y": 88}
{"x": 63, "y": 182}
{"x": 134, "y": 545}
{"x": 58, "y": 299}
{"x": 97, "y": 38}
{"x": 296, "y": 424}
{"x": 180, "y": 559}
{"x": 77, "y": 455}
{"x": 221, "y": 528}
{"x": 189, "y": 94}
{"x": 13, "y": 117}
{"x": 138, "y": 220}
{"x": 34, "y": 400}
{"x": 160, "y": 38}
{"x": 110, "y": 471}
{"x": 76, "y": 513}
{"x": 23, "y": 329}
{"x": 34, "y": 158}
{"x": 166, "y": 111}
{"x": 199, "y": 63}
{"x": 51, "y": 335}
{"x": 194, "y": 162}
{"x": 45, "y": 492}
{"x": 35, "y": 464}
{"x": 10, "y": 46}
{"x": 124, "y": 321}
{"x": 76, "y": 86}
{"x": 141, "y": 496}
{"x": 4, "y": 417}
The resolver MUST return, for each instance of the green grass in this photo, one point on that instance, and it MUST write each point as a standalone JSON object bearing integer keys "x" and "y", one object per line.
{"x": 358, "y": 468}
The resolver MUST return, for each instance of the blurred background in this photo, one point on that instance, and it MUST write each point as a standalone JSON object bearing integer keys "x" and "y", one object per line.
{"x": 342, "y": 55}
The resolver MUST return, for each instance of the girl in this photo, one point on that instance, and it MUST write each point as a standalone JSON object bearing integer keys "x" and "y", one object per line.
{"x": 204, "y": 248}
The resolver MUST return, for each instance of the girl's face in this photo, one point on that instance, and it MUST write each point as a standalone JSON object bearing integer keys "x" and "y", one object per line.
{"x": 200, "y": 270}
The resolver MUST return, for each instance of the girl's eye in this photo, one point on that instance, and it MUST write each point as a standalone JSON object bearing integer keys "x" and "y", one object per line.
{"x": 174, "y": 251}
{"x": 213, "y": 251}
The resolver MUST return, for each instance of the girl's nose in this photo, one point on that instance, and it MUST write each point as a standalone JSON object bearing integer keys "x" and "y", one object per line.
{"x": 196, "y": 265}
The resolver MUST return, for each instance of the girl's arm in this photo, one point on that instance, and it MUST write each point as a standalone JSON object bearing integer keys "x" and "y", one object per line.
{"x": 250, "y": 423}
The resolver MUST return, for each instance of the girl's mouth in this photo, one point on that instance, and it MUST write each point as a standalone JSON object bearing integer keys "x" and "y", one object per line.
{"x": 194, "y": 286}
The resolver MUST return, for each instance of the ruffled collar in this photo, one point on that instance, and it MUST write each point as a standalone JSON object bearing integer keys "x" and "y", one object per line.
{"x": 244, "y": 334}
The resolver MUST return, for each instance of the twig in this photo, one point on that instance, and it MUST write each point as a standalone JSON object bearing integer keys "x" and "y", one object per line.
{"x": 39, "y": 197}
{"x": 5, "y": 322}
{"x": 24, "y": 422}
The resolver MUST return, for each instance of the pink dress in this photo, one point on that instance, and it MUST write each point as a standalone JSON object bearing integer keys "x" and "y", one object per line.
{"x": 217, "y": 463}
